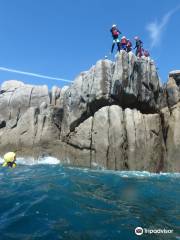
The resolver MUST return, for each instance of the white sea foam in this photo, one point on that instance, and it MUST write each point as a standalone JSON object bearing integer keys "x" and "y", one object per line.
{"x": 143, "y": 174}
{"x": 33, "y": 161}
{"x": 1, "y": 160}
{"x": 97, "y": 168}
{"x": 137, "y": 174}
{"x": 48, "y": 160}
{"x": 26, "y": 160}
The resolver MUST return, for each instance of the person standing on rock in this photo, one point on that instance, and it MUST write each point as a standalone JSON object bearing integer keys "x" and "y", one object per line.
{"x": 115, "y": 35}
{"x": 146, "y": 53}
{"x": 138, "y": 47}
{"x": 129, "y": 46}
{"x": 123, "y": 43}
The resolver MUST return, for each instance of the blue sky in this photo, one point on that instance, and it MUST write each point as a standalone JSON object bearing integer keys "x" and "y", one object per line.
{"x": 61, "y": 38}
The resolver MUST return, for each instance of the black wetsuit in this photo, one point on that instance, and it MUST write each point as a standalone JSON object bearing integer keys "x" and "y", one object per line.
{"x": 138, "y": 47}
{"x": 129, "y": 46}
{"x": 11, "y": 164}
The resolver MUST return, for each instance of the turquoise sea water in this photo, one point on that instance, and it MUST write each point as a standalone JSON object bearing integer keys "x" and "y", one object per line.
{"x": 55, "y": 202}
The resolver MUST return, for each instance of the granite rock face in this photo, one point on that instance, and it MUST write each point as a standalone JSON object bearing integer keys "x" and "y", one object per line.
{"x": 172, "y": 137}
{"x": 173, "y": 93}
{"x": 129, "y": 82}
{"x": 25, "y": 115}
{"x": 121, "y": 139}
{"x": 176, "y": 75}
{"x": 116, "y": 116}
{"x": 135, "y": 83}
{"x": 16, "y": 98}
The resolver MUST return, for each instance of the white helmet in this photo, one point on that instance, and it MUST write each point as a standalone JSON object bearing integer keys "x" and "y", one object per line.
{"x": 114, "y": 25}
{"x": 123, "y": 37}
{"x": 136, "y": 38}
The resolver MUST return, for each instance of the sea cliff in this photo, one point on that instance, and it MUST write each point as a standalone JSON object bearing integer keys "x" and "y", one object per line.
{"x": 117, "y": 115}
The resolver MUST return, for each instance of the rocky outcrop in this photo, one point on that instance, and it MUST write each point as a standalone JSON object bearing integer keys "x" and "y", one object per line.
{"x": 121, "y": 139}
{"x": 16, "y": 98}
{"x": 176, "y": 75}
{"x": 135, "y": 83}
{"x": 117, "y": 116}
{"x": 26, "y": 115}
{"x": 129, "y": 82}
{"x": 172, "y": 137}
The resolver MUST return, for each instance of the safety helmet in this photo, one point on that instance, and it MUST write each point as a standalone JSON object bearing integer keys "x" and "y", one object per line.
{"x": 114, "y": 25}
{"x": 10, "y": 156}
{"x": 136, "y": 38}
{"x": 123, "y": 37}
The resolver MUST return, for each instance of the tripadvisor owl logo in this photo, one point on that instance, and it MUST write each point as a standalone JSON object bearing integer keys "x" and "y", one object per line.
{"x": 139, "y": 231}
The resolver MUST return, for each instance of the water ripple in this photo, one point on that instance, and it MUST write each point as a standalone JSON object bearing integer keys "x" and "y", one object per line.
{"x": 54, "y": 202}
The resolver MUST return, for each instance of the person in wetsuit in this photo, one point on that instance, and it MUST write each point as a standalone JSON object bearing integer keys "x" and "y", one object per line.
{"x": 138, "y": 47}
{"x": 115, "y": 35}
{"x": 10, "y": 160}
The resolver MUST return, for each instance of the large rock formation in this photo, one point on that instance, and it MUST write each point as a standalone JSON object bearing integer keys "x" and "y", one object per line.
{"x": 117, "y": 116}
{"x": 129, "y": 82}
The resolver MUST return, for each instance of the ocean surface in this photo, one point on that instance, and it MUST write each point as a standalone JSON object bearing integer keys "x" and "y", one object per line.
{"x": 47, "y": 201}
